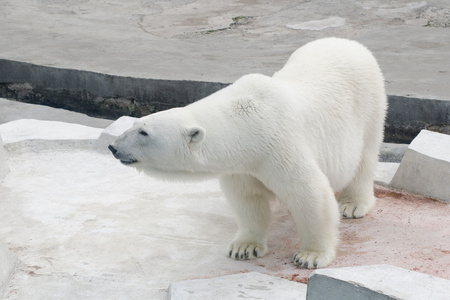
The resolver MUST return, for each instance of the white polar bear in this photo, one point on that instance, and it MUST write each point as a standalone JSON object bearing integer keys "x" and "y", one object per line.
{"x": 312, "y": 129}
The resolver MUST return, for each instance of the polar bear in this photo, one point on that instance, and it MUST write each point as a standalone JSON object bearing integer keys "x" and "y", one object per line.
{"x": 312, "y": 129}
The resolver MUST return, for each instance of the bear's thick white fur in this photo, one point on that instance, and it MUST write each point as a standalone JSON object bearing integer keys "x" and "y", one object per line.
{"x": 312, "y": 129}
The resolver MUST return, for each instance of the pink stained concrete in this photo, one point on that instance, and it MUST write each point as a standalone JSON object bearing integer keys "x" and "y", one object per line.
{"x": 404, "y": 230}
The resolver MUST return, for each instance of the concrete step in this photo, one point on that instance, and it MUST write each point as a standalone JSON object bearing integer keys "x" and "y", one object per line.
{"x": 385, "y": 172}
{"x": 375, "y": 282}
{"x": 425, "y": 168}
{"x": 253, "y": 285}
{"x": 30, "y": 129}
{"x": 33, "y": 135}
{"x": 14, "y": 110}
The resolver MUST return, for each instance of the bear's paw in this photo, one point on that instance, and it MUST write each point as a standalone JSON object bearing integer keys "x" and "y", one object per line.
{"x": 246, "y": 250}
{"x": 313, "y": 259}
{"x": 354, "y": 210}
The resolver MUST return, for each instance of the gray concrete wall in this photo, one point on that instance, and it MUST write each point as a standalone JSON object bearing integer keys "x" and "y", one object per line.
{"x": 109, "y": 96}
{"x": 95, "y": 94}
{"x": 408, "y": 116}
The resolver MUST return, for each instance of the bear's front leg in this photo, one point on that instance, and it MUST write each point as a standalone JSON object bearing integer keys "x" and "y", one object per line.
{"x": 311, "y": 202}
{"x": 316, "y": 215}
{"x": 249, "y": 199}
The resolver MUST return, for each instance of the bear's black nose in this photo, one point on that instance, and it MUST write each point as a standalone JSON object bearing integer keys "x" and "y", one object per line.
{"x": 113, "y": 150}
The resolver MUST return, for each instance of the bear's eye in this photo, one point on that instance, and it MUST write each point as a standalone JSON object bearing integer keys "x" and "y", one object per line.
{"x": 143, "y": 132}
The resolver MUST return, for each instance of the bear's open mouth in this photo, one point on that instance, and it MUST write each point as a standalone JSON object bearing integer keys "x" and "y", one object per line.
{"x": 128, "y": 162}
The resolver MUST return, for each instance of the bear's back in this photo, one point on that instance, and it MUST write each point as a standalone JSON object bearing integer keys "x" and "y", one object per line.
{"x": 331, "y": 61}
{"x": 336, "y": 74}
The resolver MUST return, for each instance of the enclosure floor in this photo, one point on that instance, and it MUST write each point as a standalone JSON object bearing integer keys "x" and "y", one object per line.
{"x": 84, "y": 226}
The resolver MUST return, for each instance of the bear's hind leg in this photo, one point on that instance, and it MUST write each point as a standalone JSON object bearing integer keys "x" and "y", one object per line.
{"x": 250, "y": 201}
{"x": 357, "y": 199}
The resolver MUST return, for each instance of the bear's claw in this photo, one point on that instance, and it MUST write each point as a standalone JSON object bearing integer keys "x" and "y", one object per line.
{"x": 312, "y": 260}
{"x": 245, "y": 251}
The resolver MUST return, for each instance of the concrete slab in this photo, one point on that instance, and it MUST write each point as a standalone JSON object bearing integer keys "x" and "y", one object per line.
{"x": 425, "y": 168}
{"x": 35, "y": 135}
{"x": 375, "y": 282}
{"x": 8, "y": 262}
{"x": 251, "y": 285}
{"x": 112, "y": 131}
{"x": 13, "y": 110}
{"x": 26, "y": 129}
{"x": 4, "y": 169}
{"x": 385, "y": 172}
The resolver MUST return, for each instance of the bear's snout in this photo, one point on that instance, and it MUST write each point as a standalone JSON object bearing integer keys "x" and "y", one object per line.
{"x": 112, "y": 149}
{"x": 125, "y": 159}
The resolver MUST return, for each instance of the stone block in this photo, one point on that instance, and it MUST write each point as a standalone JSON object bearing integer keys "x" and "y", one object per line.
{"x": 375, "y": 282}
{"x": 4, "y": 169}
{"x": 7, "y": 264}
{"x": 112, "y": 131}
{"x": 385, "y": 172}
{"x": 425, "y": 168}
{"x": 251, "y": 285}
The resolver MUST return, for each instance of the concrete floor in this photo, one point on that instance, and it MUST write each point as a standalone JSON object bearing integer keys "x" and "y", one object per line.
{"x": 83, "y": 226}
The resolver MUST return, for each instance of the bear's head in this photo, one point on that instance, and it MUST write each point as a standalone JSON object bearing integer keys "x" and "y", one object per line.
{"x": 165, "y": 144}
{"x": 227, "y": 132}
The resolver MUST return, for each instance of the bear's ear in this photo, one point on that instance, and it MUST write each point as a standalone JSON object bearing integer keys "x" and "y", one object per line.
{"x": 195, "y": 134}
